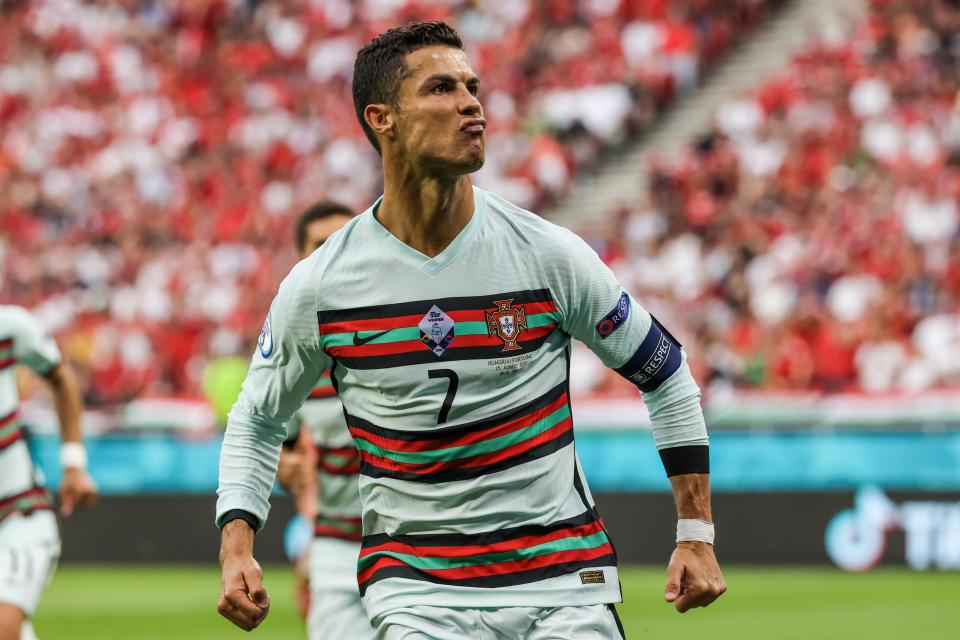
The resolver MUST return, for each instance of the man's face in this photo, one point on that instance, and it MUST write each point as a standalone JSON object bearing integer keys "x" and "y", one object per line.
{"x": 319, "y": 230}
{"x": 440, "y": 122}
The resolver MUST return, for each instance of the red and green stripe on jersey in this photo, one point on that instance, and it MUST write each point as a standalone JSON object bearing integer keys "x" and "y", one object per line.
{"x": 324, "y": 388}
{"x": 10, "y": 430}
{"x": 468, "y": 328}
{"x": 530, "y": 431}
{"x": 344, "y": 528}
{"x": 342, "y": 463}
{"x": 27, "y": 502}
{"x": 337, "y": 461}
{"x": 512, "y": 556}
{"x": 7, "y": 359}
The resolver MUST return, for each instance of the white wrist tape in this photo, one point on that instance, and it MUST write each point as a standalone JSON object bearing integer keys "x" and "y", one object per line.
{"x": 691, "y": 530}
{"x": 73, "y": 455}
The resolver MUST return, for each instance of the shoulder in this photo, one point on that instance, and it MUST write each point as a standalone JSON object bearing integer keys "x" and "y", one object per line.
{"x": 310, "y": 271}
{"x": 544, "y": 237}
{"x": 32, "y": 343}
{"x": 15, "y": 319}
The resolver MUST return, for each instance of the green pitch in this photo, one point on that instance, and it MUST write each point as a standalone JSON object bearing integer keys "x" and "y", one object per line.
{"x": 178, "y": 603}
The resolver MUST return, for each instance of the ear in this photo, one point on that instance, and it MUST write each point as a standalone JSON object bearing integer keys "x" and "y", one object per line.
{"x": 380, "y": 118}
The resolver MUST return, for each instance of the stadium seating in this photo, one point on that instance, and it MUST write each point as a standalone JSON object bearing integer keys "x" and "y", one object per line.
{"x": 809, "y": 240}
{"x": 154, "y": 153}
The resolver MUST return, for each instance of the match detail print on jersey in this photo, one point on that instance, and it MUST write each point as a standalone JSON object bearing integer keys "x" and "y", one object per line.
{"x": 443, "y": 330}
{"x": 511, "y": 556}
{"x": 528, "y": 432}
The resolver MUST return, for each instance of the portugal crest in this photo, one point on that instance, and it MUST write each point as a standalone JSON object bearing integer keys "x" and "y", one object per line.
{"x": 506, "y": 322}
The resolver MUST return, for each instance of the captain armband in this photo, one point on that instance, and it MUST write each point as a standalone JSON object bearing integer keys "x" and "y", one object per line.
{"x": 657, "y": 358}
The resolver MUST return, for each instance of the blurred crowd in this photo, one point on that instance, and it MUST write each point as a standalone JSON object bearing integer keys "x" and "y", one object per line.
{"x": 154, "y": 153}
{"x": 810, "y": 240}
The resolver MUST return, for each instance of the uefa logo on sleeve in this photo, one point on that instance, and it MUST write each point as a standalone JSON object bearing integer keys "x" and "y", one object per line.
{"x": 265, "y": 341}
{"x": 613, "y": 320}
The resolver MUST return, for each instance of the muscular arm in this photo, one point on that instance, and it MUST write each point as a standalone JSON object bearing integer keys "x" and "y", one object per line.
{"x": 691, "y": 494}
{"x": 693, "y": 575}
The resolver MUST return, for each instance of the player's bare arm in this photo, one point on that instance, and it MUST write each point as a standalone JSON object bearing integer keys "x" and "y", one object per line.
{"x": 77, "y": 489}
{"x": 243, "y": 600}
{"x": 693, "y": 575}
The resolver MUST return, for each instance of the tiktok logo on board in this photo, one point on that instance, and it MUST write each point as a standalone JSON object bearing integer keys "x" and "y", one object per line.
{"x": 856, "y": 539}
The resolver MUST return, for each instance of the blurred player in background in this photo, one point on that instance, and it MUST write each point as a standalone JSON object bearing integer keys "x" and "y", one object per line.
{"x": 446, "y": 315}
{"x": 29, "y": 537}
{"x": 335, "y": 609}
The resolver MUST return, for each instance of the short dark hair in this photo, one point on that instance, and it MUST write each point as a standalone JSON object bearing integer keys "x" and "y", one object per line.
{"x": 318, "y": 211}
{"x": 380, "y": 67}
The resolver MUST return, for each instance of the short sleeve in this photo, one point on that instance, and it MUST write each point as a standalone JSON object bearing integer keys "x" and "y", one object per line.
{"x": 32, "y": 345}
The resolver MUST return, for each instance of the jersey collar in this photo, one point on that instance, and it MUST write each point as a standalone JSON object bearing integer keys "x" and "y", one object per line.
{"x": 418, "y": 260}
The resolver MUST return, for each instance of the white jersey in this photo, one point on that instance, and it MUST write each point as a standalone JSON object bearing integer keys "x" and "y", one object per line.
{"x": 453, "y": 374}
{"x": 22, "y": 341}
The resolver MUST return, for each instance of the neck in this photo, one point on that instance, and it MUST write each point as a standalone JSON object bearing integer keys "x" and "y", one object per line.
{"x": 425, "y": 212}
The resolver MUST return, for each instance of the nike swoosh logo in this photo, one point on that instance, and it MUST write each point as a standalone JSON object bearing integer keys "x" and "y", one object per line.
{"x": 358, "y": 341}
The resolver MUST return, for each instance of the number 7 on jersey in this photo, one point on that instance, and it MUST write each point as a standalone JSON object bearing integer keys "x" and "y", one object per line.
{"x": 450, "y": 375}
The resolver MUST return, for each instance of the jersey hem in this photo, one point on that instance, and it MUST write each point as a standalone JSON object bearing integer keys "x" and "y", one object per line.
{"x": 377, "y": 608}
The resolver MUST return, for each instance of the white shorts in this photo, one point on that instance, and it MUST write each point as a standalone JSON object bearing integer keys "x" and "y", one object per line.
{"x": 336, "y": 612}
{"x": 590, "y": 622}
{"x": 29, "y": 550}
